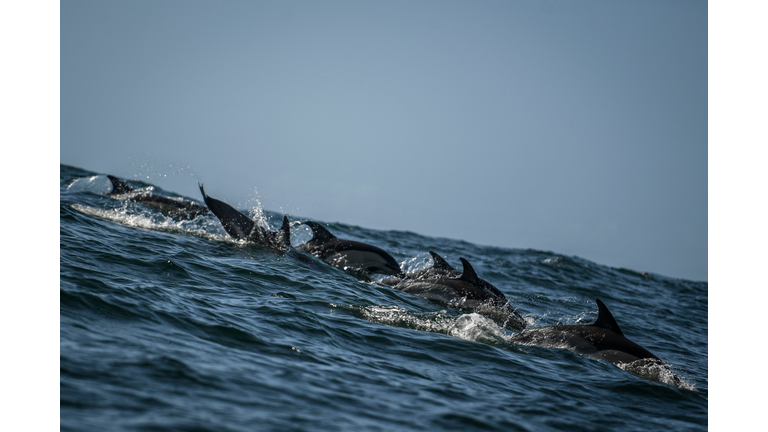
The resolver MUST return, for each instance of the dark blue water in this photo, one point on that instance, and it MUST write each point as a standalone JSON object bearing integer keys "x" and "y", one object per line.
{"x": 171, "y": 325}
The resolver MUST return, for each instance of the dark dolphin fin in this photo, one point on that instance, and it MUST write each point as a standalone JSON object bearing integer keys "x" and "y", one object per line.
{"x": 320, "y": 234}
{"x": 440, "y": 263}
{"x": 284, "y": 233}
{"x": 118, "y": 186}
{"x": 235, "y": 223}
{"x": 469, "y": 275}
{"x": 605, "y": 319}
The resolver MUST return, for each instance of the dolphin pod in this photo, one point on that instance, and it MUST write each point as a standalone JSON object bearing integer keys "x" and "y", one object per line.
{"x": 465, "y": 290}
{"x": 441, "y": 283}
{"x": 347, "y": 255}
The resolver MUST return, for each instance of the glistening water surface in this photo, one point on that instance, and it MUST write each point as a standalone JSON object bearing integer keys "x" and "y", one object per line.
{"x": 171, "y": 325}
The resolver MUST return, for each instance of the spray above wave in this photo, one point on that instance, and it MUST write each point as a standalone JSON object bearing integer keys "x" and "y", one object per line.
{"x": 241, "y": 227}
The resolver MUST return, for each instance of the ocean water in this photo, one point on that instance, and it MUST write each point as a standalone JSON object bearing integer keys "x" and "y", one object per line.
{"x": 172, "y": 325}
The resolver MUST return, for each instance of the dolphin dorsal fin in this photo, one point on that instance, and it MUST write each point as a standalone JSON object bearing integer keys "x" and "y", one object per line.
{"x": 118, "y": 186}
{"x": 605, "y": 319}
{"x": 469, "y": 275}
{"x": 440, "y": 263}
{"x": 285, "y": 231}
{"x": 320, "y": 234}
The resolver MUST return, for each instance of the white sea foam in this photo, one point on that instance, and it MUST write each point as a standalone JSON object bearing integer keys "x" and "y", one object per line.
{"x": 201, "y": 227}
{"x": 472, "y": 327}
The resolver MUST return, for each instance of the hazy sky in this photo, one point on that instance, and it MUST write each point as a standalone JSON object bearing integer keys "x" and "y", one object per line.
{"x": 574, "y": 127}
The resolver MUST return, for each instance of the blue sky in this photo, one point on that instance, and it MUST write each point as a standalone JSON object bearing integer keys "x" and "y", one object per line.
{"x": 574, "y": 127}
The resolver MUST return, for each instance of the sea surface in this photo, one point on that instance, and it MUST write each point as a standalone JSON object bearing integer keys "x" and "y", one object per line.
{"x": 171, "y": 325}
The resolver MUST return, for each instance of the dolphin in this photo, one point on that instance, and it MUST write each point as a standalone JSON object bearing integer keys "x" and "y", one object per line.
{"x": 439, "y": 269}
{"x": 349, "y": 255}
{"x": 466, "y": 292}
{"x": 601, "y": 340}
{"x": 178, "y": 207}
{"x": 241, "y": 227}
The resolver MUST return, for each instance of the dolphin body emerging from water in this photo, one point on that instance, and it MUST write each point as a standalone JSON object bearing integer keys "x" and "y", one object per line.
{"x": 349, "y": 255}
{"x": 187, "y": 210}
{"x": 601, "y": 340}
{"x": 442, "y": 284}
{"x": 439, "y": 269}
{"x": 241, "y": 227}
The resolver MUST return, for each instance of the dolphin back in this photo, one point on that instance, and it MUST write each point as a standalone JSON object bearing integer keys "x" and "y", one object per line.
{"x": 170, "y": 206}
{"x": 320, "y": 234}
{"x": 349, "y": 255}
{"x": 118, "y": 186}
